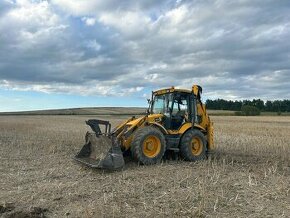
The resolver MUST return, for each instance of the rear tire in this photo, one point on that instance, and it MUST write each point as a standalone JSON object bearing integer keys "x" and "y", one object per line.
{"x": 148, "y": 145}
{"x": 193, "y": 145}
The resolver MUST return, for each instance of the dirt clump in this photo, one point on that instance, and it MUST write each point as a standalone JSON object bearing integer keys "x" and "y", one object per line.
{"x": 7, "y": 207}
{"x": 12, "y": 212}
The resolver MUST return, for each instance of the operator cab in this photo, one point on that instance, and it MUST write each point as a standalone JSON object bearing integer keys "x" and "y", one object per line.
{"x": 177, "y": 107}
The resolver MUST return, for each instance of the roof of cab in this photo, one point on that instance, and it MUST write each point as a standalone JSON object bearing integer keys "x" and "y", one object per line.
{"x": 169, "y": 90}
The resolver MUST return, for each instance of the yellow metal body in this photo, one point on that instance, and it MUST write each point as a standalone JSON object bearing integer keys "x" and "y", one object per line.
{"x": 195, "y": 89}
{"x": 151, "y": 147}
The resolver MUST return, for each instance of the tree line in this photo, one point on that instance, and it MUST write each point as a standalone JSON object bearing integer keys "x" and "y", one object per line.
{"x": 269, "y": 106}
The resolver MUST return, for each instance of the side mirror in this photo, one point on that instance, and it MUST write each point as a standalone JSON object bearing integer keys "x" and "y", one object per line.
{"x": 149, "y": 101}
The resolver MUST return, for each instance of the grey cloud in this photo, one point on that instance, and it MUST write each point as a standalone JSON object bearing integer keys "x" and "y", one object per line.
{"x": 238, "y": 48}
{"x": 5, "y": 6}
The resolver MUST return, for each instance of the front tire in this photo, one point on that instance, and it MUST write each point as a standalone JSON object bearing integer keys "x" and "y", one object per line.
{"x": 148, "y": 145}
{"x": 193, "y": 145}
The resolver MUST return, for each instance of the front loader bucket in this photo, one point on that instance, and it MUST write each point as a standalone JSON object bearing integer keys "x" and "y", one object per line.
{"x": 100, "y": 151}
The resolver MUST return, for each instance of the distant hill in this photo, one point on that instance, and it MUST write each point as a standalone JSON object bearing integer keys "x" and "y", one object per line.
{"x": 83, "y": 111}
{"x": 101, "y": 111}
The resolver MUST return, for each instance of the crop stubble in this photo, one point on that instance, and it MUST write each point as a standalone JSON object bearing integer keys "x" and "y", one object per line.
{"x": 247, "y": 176}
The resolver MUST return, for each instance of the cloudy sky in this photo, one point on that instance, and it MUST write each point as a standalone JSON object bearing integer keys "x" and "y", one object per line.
{"x": 75, "y": 53}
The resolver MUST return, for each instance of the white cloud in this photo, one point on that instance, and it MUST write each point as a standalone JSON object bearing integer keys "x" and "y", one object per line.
{"x": 93, "y": 44}
{"x": 89, "y": 21}
{"x": 151, "y": 77}
{"x": 93, "y": 7}
{"x": 177, "y": 15}
{"x": 130, "y": 24}
{"x": 30, "y": 23}
{"x": 77, "y": 7}
{"x": 90, "y": 88}
{"x": 32, "y": 14}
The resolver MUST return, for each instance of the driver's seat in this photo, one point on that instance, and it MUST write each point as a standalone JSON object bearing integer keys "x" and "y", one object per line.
{"x": 177, "y": 119}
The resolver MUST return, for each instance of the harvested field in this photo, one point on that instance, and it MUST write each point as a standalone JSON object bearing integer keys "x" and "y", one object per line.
{"x": 247, "y": 176}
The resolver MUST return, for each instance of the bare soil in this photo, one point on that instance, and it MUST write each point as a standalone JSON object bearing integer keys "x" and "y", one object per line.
{"x": 247, "y": 176}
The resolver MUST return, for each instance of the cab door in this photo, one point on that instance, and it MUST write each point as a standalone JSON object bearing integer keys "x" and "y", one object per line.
{"x": 180, "y": 112}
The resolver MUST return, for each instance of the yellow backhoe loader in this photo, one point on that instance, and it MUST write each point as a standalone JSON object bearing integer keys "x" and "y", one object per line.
{"x": 176, "y": 121}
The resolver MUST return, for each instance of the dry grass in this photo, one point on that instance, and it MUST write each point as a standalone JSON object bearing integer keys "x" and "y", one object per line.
{"x": 247, "y": 176}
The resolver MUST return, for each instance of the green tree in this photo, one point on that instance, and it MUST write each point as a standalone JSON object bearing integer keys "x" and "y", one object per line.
{"x": 248, "y": 110}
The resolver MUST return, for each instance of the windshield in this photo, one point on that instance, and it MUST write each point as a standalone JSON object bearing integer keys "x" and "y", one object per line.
{"x": 161, "y": 103}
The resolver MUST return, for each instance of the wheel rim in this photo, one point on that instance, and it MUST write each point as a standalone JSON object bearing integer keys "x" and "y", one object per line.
{"x": 196, "y": 146}
{"x": 151, "y": 146}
